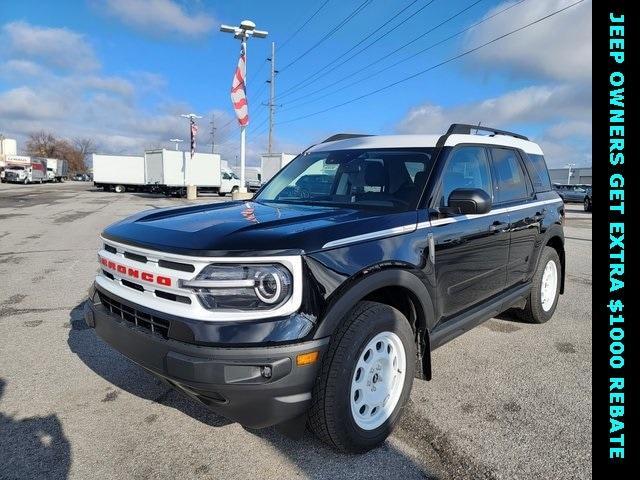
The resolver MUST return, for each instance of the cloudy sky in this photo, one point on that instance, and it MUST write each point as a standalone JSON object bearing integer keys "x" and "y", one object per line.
{"x": 122, "y": 71}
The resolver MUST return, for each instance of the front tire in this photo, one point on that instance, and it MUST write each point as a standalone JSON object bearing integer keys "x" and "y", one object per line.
{"x": 545, "y": 291}
{"x": 365, "y": 380}
{"x": 119, "y": 188}
{"x": 587, "y": 204}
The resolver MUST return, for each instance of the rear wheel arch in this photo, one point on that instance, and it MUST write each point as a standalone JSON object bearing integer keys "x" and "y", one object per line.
{"x": 398, "y": 288}
{"x": 556, "y": 241}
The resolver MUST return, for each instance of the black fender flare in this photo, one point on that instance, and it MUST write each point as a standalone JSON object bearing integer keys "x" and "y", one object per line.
{"x": 359, "y": 286}
{"x": 555, "y": 230}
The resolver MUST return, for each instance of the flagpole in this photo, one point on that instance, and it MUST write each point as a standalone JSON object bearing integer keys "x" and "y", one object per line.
{"x": 243, "y": 128}
{"x": 245, "y": 30}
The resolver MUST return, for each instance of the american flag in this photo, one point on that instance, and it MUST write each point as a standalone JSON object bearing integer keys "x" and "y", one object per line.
{"x": 194, "y": 130}
{"x": 239, "y": 91}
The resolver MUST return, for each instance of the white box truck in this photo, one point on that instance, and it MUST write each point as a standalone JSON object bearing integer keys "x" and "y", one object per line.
{"x": 172, "y": 171}
{"x": 252, "y": 177}
{"x": 57, "y": 169}
{"x": 8, "y": 159}
{"x": 119, "y": 173}
{"x": 272, "y": 163}
{"x": 33, "y": 171}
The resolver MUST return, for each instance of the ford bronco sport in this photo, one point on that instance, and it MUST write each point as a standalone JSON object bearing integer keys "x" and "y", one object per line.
{"x": 318, "y": 301}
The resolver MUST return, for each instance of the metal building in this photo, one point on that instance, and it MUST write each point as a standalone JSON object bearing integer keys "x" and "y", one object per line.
{"x": 580, "y": 176}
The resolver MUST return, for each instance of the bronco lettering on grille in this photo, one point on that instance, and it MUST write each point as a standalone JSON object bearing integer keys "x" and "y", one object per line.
{"x": 135, "y": 273}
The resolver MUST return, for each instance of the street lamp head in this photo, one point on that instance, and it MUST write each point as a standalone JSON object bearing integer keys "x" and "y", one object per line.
{"x": 247, "y": 25}
{"x": 176, "y": 140}
{"x": 245, "y": 30}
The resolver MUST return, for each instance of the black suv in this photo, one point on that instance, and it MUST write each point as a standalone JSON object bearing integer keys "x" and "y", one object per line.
{"x": 320, "y": 305}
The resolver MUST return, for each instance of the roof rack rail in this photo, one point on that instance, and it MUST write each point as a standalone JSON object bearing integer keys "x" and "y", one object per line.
{"x": 343, "y": 136}
{"x": 463, "y": 128}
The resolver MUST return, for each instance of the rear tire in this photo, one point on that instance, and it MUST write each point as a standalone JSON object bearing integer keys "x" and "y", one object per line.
{"x": 348, "y": 412}
{"x": 119, "y": 189}
{"x": 543, "y": 299}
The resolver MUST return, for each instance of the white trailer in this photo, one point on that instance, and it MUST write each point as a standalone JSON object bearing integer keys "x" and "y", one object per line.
{"x": 273, "y": 163}
{"x": 172, "y": 171}
{"x": 119, "y": 172}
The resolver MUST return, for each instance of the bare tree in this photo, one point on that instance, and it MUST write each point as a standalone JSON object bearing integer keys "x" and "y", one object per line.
{"x": 45, "y": 144}
{"x": 42, "y": 144}
{"x": 86, "y": 146}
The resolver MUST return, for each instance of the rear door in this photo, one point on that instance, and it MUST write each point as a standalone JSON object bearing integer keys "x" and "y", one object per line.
{"x": 514, "y": 192}
{"x": 471, "y": 252}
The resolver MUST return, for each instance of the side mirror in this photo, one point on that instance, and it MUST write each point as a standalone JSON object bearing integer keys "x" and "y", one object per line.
{"x": 470, "y": 201}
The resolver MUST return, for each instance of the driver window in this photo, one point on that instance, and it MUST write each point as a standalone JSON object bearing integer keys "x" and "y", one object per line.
{"x": 467, "y": 167}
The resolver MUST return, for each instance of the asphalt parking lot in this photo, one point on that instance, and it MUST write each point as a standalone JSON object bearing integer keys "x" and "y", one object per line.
{"x": 508, "y": 400}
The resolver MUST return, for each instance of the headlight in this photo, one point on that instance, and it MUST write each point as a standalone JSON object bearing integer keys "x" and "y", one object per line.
{"x": 242, "y": 286}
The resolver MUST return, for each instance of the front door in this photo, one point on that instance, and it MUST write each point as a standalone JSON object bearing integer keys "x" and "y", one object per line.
{"x": 471, "y": 252}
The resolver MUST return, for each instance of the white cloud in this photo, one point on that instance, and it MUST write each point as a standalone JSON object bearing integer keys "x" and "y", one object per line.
{"x": 15, "y": 69}
{"x": 527, "y": 105}
{"x": 55, "y": 47}
{"x": 558, "y": 48}
{"x": 569, "y": 129}
{"x": 561, "y": 113}
{"x": 115, "y": 85}
{"x": 160, "y": 16}
{"x": 25, "y": 103}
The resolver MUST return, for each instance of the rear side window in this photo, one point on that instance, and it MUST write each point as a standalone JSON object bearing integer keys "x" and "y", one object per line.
{"x": 538, "y": 172}
{"x": 512, "y": 181}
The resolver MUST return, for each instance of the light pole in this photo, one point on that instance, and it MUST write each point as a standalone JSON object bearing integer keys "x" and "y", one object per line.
{"x": 242, "y": 32}
{"x": 569, "y": 175}
{"x": 177, "y": 141}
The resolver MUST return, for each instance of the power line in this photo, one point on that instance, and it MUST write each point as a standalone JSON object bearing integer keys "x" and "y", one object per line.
{"x": 366, "y": 37}
{"x": 433, "y": 67}
{"x": 323, "y": 71}
{"x": 330, "y": 33}
{"x": 405, "y": 59}
{"x": 302, "y": 26}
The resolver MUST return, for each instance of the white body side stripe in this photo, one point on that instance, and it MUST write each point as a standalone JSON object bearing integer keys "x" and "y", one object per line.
{"x": 390, "y": 232}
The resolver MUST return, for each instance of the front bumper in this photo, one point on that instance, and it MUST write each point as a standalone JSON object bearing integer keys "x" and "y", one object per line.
{"x": 229, "y": 381}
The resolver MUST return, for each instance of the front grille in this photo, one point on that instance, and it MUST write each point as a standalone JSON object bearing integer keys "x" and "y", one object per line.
{"x": 156, "y": 325}
{"x": 137, "y": 257}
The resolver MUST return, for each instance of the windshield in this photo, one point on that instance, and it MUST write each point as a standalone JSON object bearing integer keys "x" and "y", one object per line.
{"x": 390, "y": 179}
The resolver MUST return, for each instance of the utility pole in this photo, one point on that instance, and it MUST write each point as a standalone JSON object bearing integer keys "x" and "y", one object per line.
{"x": 242, "y": 32}
{"x": 272, "y": 93}
{"x": 212, "y": 132}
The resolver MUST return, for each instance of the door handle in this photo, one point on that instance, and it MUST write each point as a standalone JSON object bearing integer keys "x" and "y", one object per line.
{"x": 498, "y": 227}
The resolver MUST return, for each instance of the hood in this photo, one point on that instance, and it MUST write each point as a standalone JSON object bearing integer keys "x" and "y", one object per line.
{"x": 248, "y": 228}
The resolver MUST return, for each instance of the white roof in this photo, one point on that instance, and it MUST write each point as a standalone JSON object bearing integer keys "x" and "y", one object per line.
{"x": 391, "y": 141}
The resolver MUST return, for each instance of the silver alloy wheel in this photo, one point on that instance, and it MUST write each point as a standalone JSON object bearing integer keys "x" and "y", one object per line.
{"x": 549, "y": 285}
{"x": 378, "y": 380}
